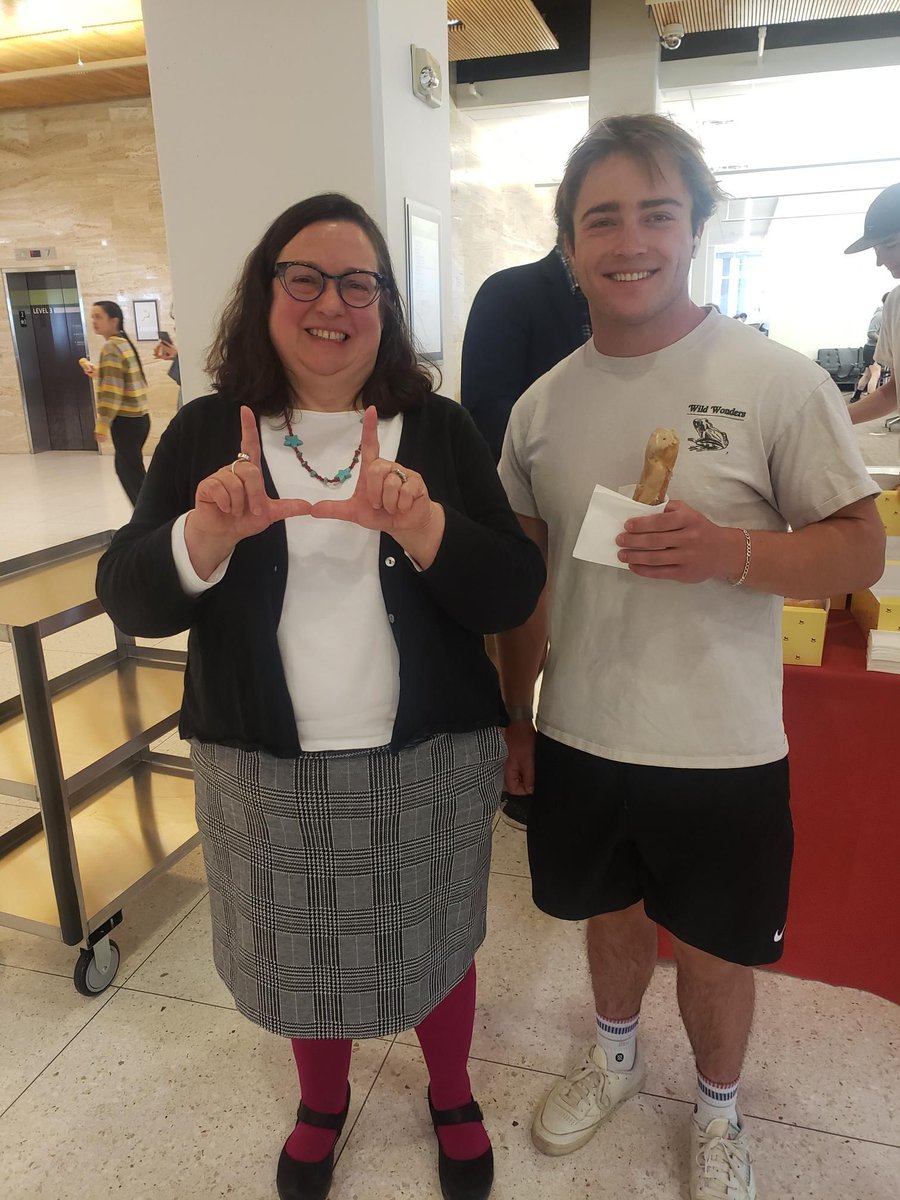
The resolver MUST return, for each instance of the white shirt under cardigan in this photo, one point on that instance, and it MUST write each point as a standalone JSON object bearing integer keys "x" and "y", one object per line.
{"x": 339, "y": 655}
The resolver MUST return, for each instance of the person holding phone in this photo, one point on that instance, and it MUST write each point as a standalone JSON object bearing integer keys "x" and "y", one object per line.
{"x": 166, "y": 349}
{"x": 336, "y": 538}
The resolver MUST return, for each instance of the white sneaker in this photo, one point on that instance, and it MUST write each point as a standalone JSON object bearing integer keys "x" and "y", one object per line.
{"x": 578, "y": 1105}
{"x": 721, "y": 1167}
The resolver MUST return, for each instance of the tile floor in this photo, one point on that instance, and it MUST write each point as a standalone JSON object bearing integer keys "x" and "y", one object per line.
{"x": 159, "y": 1089}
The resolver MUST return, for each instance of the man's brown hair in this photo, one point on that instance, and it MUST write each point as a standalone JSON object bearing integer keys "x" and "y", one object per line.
{"x": 646, "y": 138}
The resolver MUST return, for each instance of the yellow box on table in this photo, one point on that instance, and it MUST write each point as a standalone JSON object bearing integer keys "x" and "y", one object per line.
{"x": 803, "y": 625}
{"x": 878, "y": 607}
{"x": 888, "y": 505}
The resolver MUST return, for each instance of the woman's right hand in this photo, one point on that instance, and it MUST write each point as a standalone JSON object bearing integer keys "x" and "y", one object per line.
{"x": 232, "y": 504}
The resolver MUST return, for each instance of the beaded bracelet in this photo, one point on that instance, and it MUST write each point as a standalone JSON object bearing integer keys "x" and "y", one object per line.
{"x": 744, "y": 573}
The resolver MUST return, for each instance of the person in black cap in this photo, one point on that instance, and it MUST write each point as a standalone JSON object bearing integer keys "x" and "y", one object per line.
{"x": 881, "y": 233}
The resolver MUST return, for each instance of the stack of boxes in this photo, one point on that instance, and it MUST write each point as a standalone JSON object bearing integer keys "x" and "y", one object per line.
{"x": 877, "y": 609}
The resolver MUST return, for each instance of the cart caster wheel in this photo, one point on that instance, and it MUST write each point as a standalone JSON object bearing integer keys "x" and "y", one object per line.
{"x": 89, "y": 979}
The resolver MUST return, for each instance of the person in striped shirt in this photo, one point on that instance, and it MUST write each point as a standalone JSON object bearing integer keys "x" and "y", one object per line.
{"x": 121, "y": 396}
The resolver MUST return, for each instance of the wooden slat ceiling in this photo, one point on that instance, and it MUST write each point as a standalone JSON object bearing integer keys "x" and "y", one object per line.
{"x": 701, "y": 16}
{"x": 62, "y": 48}
{"x": 76, "y": 89}
{"x": 495, "y": 27}
{"x": 490, "y": 28}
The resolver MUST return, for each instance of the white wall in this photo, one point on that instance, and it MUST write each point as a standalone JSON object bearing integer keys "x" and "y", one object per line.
{"x": 416, "y": 141}
{"x": 247, "y": 103}
{"x": 815, "y": 294}
{"x": 256, "y": 108}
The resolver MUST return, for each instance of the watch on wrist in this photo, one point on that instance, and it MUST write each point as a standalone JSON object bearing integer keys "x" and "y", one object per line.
{"x": 520, "y": 712}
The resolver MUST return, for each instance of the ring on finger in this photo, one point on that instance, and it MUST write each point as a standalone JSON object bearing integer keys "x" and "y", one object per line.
{"x": 401, "y": 475}
{"x": 242, "y": 457}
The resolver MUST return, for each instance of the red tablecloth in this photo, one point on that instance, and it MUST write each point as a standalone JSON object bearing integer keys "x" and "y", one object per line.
{"x": 843, "y": 726}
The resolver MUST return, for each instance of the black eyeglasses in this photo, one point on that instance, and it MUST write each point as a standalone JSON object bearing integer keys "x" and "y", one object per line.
{"x": 303, "y": 281}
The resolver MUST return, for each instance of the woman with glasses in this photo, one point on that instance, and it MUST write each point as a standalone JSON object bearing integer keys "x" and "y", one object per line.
{"x": 336, "y": 539}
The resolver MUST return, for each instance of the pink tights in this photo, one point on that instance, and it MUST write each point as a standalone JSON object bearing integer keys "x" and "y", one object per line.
{"x": 445, "y": 1036}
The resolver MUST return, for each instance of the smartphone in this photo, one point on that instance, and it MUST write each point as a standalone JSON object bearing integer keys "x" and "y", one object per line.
{"x": 165, "y": 337}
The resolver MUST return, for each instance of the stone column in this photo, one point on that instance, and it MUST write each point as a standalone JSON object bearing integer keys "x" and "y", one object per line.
{"x": 624, "y": 58}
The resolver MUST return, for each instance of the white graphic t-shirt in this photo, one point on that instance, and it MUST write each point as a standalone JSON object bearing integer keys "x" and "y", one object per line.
{"x": 651, "y": 671}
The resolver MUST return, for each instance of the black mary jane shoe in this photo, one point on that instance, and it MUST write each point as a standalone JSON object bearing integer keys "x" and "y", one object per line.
{"x": 310, "y": 1180}
{"x": 462, "y": 1178}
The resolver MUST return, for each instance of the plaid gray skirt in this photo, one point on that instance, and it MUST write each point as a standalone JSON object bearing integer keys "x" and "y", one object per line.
{"x": 348, "y": 889}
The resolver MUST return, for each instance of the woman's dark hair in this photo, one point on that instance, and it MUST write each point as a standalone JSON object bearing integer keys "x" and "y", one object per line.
{"x": 644, "y": 138}
{"x": 112, "y": 310}
{"x": 242, "y": 360}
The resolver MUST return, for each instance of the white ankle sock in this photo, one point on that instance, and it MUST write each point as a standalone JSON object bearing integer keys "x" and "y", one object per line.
{"x": 716, "y": 1100}
{"x": 618, "y": 1040}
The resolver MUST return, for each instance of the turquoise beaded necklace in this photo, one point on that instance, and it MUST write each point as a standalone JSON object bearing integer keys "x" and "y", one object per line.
{"x": 291, "y": 440}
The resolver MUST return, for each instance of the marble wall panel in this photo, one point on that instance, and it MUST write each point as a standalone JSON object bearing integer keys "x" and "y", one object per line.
{"x": 76, "y": 177}
{"x": 494, "y": 225}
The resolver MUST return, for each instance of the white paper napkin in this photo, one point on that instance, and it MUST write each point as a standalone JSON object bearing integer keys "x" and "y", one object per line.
{"x": 889, "y": 583}
{"x": 604, "y": 521}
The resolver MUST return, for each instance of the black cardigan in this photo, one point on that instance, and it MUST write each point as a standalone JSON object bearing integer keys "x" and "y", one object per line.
{"x": 487, "y": 577}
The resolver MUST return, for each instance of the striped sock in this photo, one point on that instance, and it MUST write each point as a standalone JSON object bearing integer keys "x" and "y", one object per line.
{"x": 716, "y": 1100}
{"x": 618, "y": 1040}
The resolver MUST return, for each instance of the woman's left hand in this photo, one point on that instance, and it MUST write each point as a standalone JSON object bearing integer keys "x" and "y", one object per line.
{"x": 390, "y": 499}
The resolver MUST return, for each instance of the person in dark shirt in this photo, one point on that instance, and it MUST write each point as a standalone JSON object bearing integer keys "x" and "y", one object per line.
{"x": 523, "y": 321}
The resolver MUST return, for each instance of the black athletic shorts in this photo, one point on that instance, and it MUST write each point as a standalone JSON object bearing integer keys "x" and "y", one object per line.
{"x": 708, "y": 851}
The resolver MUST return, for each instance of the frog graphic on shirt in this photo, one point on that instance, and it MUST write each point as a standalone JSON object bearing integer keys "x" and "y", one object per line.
{"x": 709, "y": 437}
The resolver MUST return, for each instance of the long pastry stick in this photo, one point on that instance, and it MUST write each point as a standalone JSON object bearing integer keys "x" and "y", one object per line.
{"x": 659, "y": 463}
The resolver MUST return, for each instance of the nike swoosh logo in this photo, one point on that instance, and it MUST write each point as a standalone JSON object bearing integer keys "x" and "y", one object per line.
{"x": 779, "y": 935}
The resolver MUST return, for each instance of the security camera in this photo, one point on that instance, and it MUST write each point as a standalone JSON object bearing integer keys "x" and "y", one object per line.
{"x": 671, "y": 36}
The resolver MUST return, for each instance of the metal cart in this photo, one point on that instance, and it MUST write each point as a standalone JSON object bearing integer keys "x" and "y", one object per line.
{"x": 112, "y": 813}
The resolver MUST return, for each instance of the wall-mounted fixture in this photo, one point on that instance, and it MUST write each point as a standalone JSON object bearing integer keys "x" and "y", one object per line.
{"x": 427, "y": 83}
{"x": 671, "y": 36}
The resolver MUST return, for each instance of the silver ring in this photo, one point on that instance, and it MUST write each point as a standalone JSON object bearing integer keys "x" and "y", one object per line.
{"x": 401, "y": 475}
{"x": 242, "y": 457}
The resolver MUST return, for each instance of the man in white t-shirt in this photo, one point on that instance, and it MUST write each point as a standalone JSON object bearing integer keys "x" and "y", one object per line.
{"x": 659, "y": 762}
{"x": 881, "y": 233}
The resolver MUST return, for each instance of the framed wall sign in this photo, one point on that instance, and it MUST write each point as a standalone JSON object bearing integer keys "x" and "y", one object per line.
{"x": 146, "y": 320}
{"x": 423, "y": 278}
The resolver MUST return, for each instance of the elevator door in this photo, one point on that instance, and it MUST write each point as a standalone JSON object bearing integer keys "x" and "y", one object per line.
{"x": 49, "y": 334}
